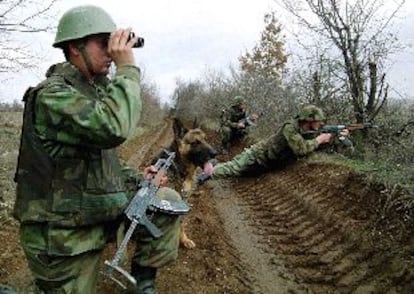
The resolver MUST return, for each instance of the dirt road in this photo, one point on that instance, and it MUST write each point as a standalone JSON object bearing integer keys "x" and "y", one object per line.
{"x": 312, "y": 228}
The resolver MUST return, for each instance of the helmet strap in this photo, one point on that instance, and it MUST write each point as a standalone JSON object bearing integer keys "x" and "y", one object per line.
{"x": 81, "y": 46}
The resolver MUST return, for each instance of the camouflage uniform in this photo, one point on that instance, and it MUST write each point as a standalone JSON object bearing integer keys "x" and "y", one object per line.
{"x": 71, "y": 188}
{"x": 285, "y": 146}
{"x": 230, "y": 118}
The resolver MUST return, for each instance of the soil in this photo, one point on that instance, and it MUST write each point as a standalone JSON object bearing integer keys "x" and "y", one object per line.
{"x": 313, "y": 227}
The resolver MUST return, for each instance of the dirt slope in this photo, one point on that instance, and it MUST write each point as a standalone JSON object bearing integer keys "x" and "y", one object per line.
{"x": 311, "y": 228}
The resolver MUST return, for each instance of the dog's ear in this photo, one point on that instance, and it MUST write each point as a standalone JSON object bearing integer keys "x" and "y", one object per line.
{"x": 179, "y": 129}
{"x": 196, "y": 124}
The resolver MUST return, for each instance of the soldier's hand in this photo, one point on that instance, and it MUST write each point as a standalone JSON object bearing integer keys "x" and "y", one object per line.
{"x": 163, "y": 182}
{"x": 208, "y": 168}
{"x": 254, "y": 117}
{"x": 120, "y": 49}
{"x": 241, "y": 125}
{"x": 207, "y": 173}
{"x": 344, "y": 133}
{"x": 323, "y": 138}
{"x": 151, "y": 172}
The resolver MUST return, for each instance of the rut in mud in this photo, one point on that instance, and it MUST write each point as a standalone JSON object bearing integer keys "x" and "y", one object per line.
{"x": 316, "y": 223}
{"x": 313, "y": 227}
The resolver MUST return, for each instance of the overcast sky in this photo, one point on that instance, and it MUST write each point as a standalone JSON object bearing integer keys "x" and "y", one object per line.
{"x": 184, "y": 38}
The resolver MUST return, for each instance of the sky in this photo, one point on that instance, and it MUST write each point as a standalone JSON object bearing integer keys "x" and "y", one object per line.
{"x": 184, "y": 39}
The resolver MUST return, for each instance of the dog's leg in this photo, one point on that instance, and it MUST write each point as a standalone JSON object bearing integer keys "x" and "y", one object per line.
{"x": 185, "y": 241}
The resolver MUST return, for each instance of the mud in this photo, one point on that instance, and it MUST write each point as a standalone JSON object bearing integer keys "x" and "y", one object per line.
{"x": 313, "y": 227}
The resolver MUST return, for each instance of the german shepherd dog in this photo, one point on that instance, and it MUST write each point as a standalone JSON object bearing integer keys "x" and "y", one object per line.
{"x": 192, "y": 153}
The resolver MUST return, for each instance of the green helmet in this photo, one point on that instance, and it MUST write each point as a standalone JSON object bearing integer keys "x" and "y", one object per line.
{"x": 83, "y": 21}
{"x": 237, "y": 100}
{"x": 311, "y": 113}
{"x": 169, "y": 201}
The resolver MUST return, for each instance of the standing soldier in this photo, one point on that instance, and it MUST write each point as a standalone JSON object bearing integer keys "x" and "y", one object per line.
{"x": 70, "y": 184}
{"x": 285, "y": 146}
{"x": 234, "y": 123}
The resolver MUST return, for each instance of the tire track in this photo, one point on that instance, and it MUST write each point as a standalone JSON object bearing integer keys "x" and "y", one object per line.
{"x": 302, "y": 218}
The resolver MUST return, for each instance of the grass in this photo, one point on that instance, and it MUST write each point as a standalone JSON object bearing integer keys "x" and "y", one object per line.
{"x": 379, "y": 171}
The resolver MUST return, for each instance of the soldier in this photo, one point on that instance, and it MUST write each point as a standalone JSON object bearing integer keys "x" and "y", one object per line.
{"x": 70, "y": 185}
{"x": 285, "y": 146}
{"x": 234, "y": 123}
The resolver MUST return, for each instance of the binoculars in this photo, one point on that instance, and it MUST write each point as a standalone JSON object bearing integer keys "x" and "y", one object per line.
{"x": 139, "y": 43}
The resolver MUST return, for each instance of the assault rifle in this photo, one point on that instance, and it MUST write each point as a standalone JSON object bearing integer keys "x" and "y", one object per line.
{"x": 250, "y": 120}
{"x": 337, "y": 129}
{"x": 136, "y": 212}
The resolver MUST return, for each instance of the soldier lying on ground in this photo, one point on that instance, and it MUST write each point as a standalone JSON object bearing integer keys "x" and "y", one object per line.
{"x": 285, "y": 146}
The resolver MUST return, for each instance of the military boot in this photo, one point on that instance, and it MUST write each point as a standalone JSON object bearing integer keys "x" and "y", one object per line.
{"x": 145, "y": 277}
{"x": 225, "y": 149}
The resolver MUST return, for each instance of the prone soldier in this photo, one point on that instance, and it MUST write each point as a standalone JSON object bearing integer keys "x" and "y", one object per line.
{"x": 285, "y": 146}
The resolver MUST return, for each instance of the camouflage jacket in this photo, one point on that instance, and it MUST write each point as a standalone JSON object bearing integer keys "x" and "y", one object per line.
{"x": 286, "y": 145}
{"x": 232, "y": 116}
{"x": 68, "y": 172}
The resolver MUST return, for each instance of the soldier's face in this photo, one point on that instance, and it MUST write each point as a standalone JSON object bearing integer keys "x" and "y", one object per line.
{"x": 315, "y": 125}
{"x": 311, "y": 125}
{"x": 97, "y": 49}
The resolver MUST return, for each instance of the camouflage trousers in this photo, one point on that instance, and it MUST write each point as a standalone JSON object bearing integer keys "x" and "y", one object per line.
{"x": 158, "y": 252}
{"x": 78, "y": 273}
{"x": 238, "y": 166}
{"x": 228, "y": 135}
{"x": 63, "y": 274}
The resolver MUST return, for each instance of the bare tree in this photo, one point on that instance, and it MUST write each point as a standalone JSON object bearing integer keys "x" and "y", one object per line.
{"x": 359, "y": 31}
{"x": 19, "y": 17}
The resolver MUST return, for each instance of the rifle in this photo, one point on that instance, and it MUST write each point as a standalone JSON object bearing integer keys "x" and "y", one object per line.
{"x": 250, "y": 120}
{"x": 136, "y": 212}
{"x": 337, "y": 129}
